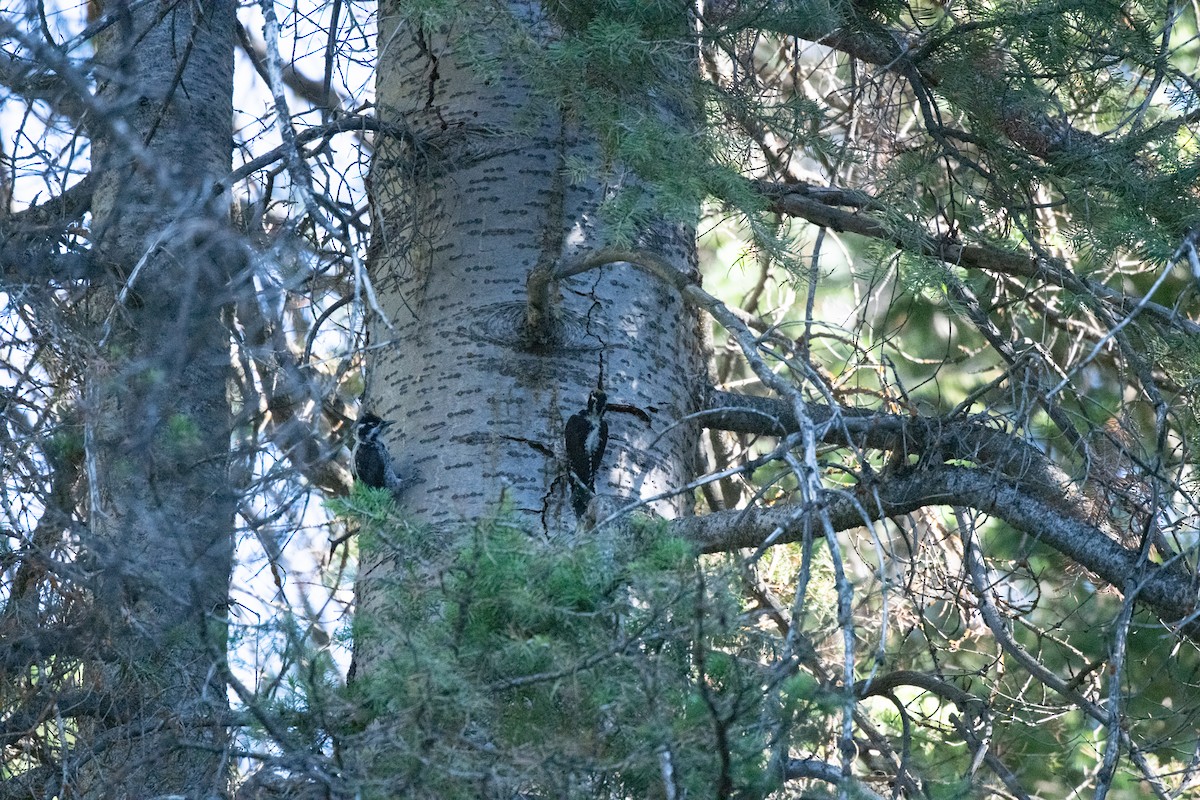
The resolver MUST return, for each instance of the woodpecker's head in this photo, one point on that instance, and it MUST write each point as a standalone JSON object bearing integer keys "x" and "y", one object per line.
{"x": 369, "y": 427}
{"x": 597, "y": 402}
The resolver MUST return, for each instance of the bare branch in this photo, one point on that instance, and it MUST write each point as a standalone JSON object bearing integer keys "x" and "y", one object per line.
{"x": 1167, "y": 588}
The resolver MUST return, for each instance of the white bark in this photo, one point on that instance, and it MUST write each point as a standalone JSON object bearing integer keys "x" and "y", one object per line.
{"x": 468, "y": 201}
{"x": 464, "y": 210}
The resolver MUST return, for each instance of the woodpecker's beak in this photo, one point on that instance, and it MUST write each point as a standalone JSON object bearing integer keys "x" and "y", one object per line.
{"x": 387, "y": 423}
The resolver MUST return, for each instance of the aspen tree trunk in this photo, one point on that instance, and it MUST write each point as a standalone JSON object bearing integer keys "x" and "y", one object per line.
{"x": 157, "y": 414}
{"x": 470, "y": 195}
{"x": 465, "y": 207}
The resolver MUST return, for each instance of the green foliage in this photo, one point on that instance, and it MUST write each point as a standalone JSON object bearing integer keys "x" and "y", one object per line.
{"x": 182, "y": 434}
{"x": 664, "y": 161}
{"x": 920, "y": 275}
{"x": 657, "y": 552}
{"x": 65, "y": 446}
{"x": 363, "y": 501}
{"x": 650, "y": 16}
{"x": 433, "y": 14}
{"x": 581, "y": 668}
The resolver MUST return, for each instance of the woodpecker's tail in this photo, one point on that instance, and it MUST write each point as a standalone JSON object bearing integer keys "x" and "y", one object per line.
{"x": 580, "y": 497}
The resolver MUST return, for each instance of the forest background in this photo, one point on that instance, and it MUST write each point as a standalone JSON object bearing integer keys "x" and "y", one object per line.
{"x": 894, "y": 303}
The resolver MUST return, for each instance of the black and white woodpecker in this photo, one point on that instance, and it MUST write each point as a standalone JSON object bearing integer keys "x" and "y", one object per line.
{"x": 372, "y": 461}
{"x": 587, "y": 436}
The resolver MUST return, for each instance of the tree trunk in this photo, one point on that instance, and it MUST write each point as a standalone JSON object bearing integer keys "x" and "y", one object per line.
{"x": 470, "y": 196}
{"x": 157, "y": 414}
{"x": 465, "y": 207}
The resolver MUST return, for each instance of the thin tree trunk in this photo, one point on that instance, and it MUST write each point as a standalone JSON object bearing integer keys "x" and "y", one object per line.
{"x": 157, "y": 414}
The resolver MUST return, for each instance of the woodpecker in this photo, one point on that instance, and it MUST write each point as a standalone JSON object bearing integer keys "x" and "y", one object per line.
{"x": 372, "y": 462}
{"x": 587, "y": 436}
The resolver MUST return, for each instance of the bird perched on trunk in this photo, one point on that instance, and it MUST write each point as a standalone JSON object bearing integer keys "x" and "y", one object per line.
{"x": 586, "y": 438}
{"x": 372, "y": 461}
